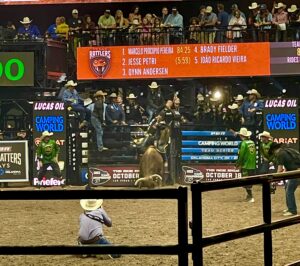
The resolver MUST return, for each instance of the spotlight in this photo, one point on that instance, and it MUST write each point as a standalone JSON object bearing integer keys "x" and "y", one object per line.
{"x": 283, "y": 91}
{"x": 217, "y": 95}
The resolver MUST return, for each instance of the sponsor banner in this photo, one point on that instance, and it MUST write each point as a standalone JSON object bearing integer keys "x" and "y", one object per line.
{"x": 114, "y": 175}
{"x": 59, "y": 2}
{"x": 225, "y": 143}
{"x": 50, "y": 116}
{"x": 208, "y": 133}
{"x": 282, "y": 121}
{"x": 14, "y": 161}
{"x": 173, "y": 61}
{"x": 208, "y": 172}
{"x": 209, "y": 150}
{"x": 208, "y": 158}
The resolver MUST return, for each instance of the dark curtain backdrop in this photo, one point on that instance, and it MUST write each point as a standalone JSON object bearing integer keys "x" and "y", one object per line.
{"x": 44, "y": 15}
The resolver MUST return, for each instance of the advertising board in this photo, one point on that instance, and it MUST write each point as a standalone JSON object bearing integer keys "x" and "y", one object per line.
{"x": 14, "y": 161}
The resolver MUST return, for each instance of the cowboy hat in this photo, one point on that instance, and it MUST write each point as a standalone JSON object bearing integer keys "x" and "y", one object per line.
{"x": 153, "y": 85}
{"x": 131, "y": 96}
{"x": 113, "y": 95}
{"x": 71, "y": 83}
{"x": 254, "y": 5}
{"x": 87, "y": 101}
{"x": 200, "y": 97}
{"x": 208, "y": 9}
{"x": 233, "y": 106}
{"x": 255, "y": 92}
{"x": 26, "y": 20}
{"x": 46, "y": 134}
{"x": 239, "y": 97}
{"x": 263, "y": 6}
{"x": 91, "y": 204}
{"x": 74, "y": 11}
{"x": 292, "y": 9}
{"x": 280, "y": 5}
{"x": 100, "y": 93}
{"x": 265, "y": 134}
{"x": 244, "y": 132}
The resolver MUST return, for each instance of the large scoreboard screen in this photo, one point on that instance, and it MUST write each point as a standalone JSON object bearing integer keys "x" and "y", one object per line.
{"x": 16, "y": 69}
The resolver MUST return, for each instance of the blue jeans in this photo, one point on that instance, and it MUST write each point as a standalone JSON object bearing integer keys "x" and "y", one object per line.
{"x": 151, "y": 112}
{"x": 99, "y": 131}
{"x": 290, "y": 188}
{"x": 84, "y": 113}
{"x": 104, "y": 241}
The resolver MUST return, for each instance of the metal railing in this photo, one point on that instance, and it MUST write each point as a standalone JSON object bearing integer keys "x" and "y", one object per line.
{"x": 180, "y": 194}
{"x": 266, "y": 228}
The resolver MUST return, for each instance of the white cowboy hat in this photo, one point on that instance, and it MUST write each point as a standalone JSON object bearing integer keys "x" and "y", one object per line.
{"x": 153, "y": 85}
{"x": 265, "y": 134}
{"x": 91, "y": 204}
{"x": 131, "y": 96}
{"x": 71, "y": 83}
{"x": 255, "y": 92}
{"x": 239, "y": 97}
{"x": 244, "y": 132}
{"x": 200, "y": 97}
{"x": 208, "y": 9}
{"x": 46, "y": 134}
{"x": 74, "y": 11}
{"x": 113, "y": 95}
{"x": 254, "y": 5}
{"x": 280, "y": 5}
{"x": 233, "y": 106}
{"x": 100, "y": 93}
{"x": 26, "y": 20}
{"x": 292, "y": 9}
{"x": 87, "y": 101}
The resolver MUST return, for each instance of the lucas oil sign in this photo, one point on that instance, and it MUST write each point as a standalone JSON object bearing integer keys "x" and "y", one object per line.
{"x": 13, "y": 161}
{"x": 282, "y": 121}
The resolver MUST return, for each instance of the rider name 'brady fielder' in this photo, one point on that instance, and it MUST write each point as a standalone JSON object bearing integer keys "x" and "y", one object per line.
{"x": 47, "y": 154}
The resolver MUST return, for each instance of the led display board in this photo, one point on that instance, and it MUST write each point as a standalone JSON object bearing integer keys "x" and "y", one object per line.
{"x": 16, "y": 69}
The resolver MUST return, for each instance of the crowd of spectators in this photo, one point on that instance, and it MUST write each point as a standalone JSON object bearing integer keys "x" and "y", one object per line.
{"x": 210, "y": 25}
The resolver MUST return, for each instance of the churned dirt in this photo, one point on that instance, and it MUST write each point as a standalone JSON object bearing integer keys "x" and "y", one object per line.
{"x": 137, "y": 222}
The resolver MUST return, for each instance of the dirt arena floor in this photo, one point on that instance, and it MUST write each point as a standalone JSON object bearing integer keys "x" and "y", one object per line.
{"x": 149, "y": 222}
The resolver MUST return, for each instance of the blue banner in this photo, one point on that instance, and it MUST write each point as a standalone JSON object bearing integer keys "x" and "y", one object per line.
{"x": 226, "y": 143}
{"x": 207, "y": 133}
{"x": 209, "y": 150}
{"x": 208, "y": 158}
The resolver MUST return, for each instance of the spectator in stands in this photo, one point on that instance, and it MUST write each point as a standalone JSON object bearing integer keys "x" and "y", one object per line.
{"x": 280, "y": 20}
{"x": 176, "y": 107}
{"x": 27, "y": 30}
{"x": 9, "y": 31}
{"x": 254, "y": 10}
{"x": 216, "y": 111}
{"x": 234, "y": 8}
{"x": 72, "y": 99}
{"x": 163, "y": 18}
{"x": 107, "y": 23}
{"x": 155, "y": 101}
{"x": 164, "y": 14}
{"x": 134, "y": 33}
{"x": 249, "y": 108}
{"x": 246, "y": 161}
{"x": 98, "y": 118}
{"x": 202, "y": 110}
{"x": 135, "y": 14}
{"x": 157, "y": 33}
{"x": 201, "y": 19}
{"x": 150, "y": 18}
{"x": 194, "y": 31}
{"x": 122, "y": 25}
{"x": 239, "y": 99}
{"x": 51, "y": 31}
{"x": 210, "y": 25}
{"x": 146, "y": 29}
{"x": 114, "y": 112}
{"x": 294, "y": 14}
{"x": 288, "y": 159}
{"x": 237, "y": 24}
{"x": 263, "y": 23}
{"x": 62, "y": 29}
{"x": 222, "y": 23}
{"x": 133, "y": 111}
{"x": 91, "y": 224}
{"x": 75, "y": 27}
{"x": 233, "y": 119}
{"x": 88, "y": 31}
{"x": 175, "y": 24}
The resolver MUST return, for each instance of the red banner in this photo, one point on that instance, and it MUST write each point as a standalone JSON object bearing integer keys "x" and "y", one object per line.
{"x": 173, "y": 61}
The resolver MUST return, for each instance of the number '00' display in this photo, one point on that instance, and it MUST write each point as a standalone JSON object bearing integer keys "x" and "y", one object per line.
{"x": 6, "y": 69}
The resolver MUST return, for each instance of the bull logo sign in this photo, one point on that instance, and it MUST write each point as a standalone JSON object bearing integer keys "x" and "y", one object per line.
{"x": 99, "y": 176}
{"x": 191, "y": 174}
{"x": 100, "y": 61}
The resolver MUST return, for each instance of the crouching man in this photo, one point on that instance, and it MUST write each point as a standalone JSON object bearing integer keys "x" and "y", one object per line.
{"x": 91, "y": 223}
